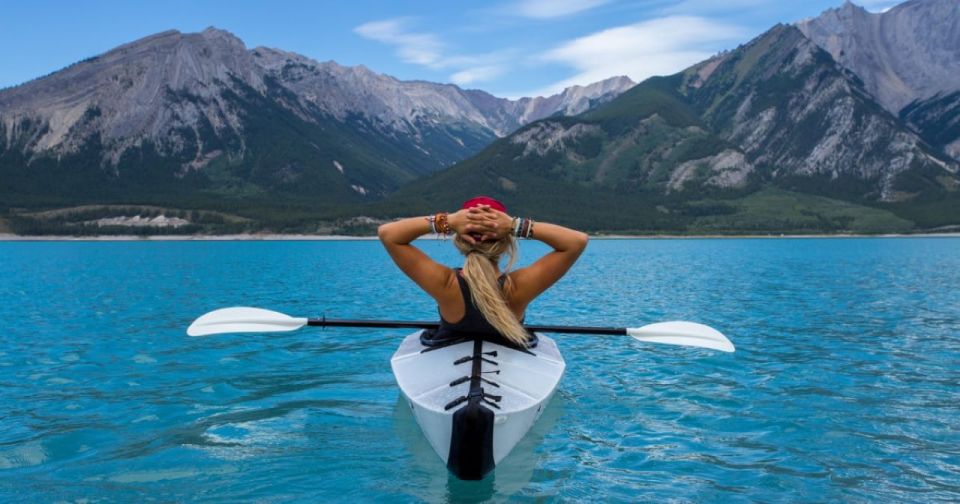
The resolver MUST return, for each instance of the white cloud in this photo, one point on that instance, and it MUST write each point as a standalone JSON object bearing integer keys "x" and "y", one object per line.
{"x": 546, "y": 9}
{"x": 418, "y": 48}
{"x": 655, "y": 47}
{"x": 477, "y": 74}
{"x": 427, "y": 49}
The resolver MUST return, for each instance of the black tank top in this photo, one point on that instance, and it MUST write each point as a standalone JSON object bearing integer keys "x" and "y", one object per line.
{"x": 472, "y": 325}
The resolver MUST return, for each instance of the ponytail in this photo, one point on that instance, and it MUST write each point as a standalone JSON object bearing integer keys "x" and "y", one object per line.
{"x": 481, "y": 275}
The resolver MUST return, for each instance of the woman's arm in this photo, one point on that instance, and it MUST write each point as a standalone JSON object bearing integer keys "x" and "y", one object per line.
{"x": 567, "y": 244}
{"x": 397, "y": 237}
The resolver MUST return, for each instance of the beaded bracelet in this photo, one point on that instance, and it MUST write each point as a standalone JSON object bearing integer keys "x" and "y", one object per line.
{"x": 441, "y": 224}
{"x": 438, "y": 223}
{"x": 523, "y": 227}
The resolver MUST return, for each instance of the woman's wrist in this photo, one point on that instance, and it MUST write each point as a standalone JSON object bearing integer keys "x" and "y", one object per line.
{"x": 522, "y": 227}
{"x": 455, "y": 222}
{"x": 439, "y": 223}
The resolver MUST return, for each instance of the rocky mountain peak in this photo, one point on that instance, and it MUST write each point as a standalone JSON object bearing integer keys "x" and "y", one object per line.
{"x": 851, "y": 8}
{"x": 212, "y": 32}
{"x": 910, "y": 52}
{"x": 126, "y": 95}
{"x": 190, "y": 99}
{"x": 577, "y": 99}
{"x": 799, "y": 116}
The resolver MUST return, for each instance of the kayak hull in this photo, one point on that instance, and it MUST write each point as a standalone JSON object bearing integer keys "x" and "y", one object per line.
{"x": 475, "y": 400}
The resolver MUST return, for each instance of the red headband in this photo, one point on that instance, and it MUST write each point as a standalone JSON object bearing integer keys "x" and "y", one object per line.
{"x": 484, "y": 200}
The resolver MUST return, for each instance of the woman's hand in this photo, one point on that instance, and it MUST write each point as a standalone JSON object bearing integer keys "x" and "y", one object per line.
{"x": 480, "y": 223}
{"x": 502, "y": 223}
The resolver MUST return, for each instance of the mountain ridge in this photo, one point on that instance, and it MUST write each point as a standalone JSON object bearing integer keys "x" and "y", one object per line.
{"x": 186, "y": 101}
{"x": 770, "y": 121}
{"x": 903, "y": 54}
{"x": 776, "y": 135}
{"x": 829, "y": 127}
{"x": 906, "y": 56}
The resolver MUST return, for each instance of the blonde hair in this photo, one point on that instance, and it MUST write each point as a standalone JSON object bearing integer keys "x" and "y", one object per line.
{"x": 481, "y": 275}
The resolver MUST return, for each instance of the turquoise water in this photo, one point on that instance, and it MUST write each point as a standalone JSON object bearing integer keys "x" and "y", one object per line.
{"x": 845, "y": 385}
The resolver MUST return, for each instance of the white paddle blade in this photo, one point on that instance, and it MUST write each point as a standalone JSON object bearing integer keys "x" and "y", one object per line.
{"x": 242, "y": 319}
{"x": 683, "y": 333}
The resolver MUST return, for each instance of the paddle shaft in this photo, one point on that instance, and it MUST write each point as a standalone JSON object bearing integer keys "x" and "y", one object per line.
{"x": 402, "y": 324}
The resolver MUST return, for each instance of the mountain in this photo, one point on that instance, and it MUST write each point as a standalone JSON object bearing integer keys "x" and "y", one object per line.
{"x": 199, "y": 116}
{"x": 937, "y": 120}
{"x": 907, "y": 57}
{"x": 808, "y": 123}
{"x": 906, "y": 53}
{"x": 773, "y": 120}
{"x": 559, "y": 166}
{"x": 505, "y": 116}
{"x": 778, "y": 135}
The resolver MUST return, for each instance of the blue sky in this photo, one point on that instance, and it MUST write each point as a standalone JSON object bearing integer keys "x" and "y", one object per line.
{"x": 507, "y": 47}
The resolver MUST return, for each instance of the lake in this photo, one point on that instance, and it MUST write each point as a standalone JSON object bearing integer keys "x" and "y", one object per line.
{"x": 845, "y": 385}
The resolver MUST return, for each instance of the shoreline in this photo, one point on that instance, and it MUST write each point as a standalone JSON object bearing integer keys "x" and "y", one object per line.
{"x": 8, "y": 237}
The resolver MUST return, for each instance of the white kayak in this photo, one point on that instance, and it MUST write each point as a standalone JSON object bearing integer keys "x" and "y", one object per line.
{"x": 475, "y": 400}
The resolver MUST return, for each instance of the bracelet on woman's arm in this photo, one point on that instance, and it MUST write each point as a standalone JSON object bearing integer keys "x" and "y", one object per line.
{"x": 523, "y": 228}
{"x": 442, "y": 224}
{"x": 439, "y": 223}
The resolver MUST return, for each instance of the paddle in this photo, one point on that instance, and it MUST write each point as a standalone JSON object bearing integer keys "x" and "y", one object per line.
{"x": 244, "y": 319}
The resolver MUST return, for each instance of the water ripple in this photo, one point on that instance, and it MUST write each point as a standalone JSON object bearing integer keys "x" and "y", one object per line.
{"x": 844, "y": 386}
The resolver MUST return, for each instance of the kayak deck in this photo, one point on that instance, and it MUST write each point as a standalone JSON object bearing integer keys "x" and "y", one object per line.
{"x": 475, "y": 399}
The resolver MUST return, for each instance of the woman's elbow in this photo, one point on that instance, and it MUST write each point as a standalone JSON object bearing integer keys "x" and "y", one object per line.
{"x": 582, "y": 240}
{"x": 383, "y": 232}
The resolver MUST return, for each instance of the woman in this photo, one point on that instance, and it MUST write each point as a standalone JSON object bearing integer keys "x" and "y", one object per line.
{"x": 478, "y": 299}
